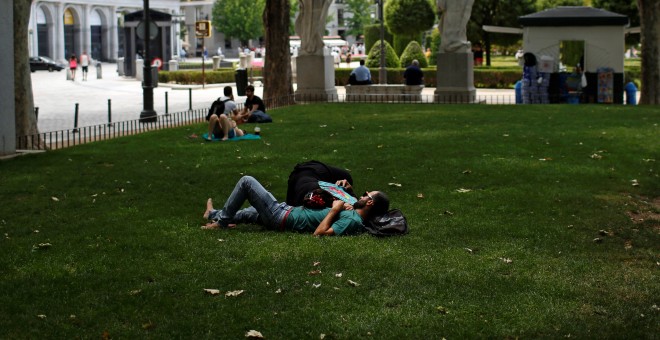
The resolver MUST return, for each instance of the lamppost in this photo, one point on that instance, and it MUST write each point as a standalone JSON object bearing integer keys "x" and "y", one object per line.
{"x": 148, "y": 114}
{"x": 382, "y": 72}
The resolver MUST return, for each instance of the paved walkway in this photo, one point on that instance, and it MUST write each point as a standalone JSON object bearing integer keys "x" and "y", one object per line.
{"x": 57, "y": 97}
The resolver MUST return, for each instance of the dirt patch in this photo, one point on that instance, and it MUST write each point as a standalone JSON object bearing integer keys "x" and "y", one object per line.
{"x": 645, "y": 209}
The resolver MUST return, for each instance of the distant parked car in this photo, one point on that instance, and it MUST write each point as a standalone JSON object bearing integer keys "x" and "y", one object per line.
{"x": 45, "y": 63}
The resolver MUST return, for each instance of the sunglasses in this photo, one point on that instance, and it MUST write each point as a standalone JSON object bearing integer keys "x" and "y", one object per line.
{"x": 366, "y": 193}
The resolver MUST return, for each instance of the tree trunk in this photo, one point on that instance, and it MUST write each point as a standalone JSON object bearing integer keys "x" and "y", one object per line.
{"x": 278, "y": 87}
{"x": 26, "y": 120}
{"x": 649, "y": 11}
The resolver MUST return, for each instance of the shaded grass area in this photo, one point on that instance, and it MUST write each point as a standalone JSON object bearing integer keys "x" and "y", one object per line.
{"x": 514, "y": 256}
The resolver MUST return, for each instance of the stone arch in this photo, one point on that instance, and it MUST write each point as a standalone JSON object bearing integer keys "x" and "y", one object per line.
{"x": 45, "y": 24}
{"x": 98, "y": 24}
{"x": 72, "y": 32}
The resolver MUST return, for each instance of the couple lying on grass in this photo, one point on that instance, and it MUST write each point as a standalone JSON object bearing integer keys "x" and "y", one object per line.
{"x": 339, "y": 218}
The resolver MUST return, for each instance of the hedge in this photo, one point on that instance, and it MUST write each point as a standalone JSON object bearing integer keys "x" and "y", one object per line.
{"x": 505, "y": 77}
{"x": 195, "y": 77}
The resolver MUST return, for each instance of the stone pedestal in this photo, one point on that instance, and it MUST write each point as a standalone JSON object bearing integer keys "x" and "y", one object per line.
{"x": 455, "y": 74}
{"x": 315, "y": 77}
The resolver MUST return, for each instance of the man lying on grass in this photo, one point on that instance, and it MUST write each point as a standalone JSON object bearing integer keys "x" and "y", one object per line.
{"x": 341, "y": 219}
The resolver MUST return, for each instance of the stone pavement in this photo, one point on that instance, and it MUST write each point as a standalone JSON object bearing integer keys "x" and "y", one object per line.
{"x": 56, "y": 97}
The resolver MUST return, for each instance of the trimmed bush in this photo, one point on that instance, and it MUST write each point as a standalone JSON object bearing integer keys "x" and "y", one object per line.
{"x": 372, "y": 34}
{"x": 391, "y": 59}
{"x": 413, "y": 51}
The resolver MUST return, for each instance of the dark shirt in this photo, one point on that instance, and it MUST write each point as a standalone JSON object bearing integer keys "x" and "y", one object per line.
{"x": 413, "y": 75}
{"x": 249, "y": 103}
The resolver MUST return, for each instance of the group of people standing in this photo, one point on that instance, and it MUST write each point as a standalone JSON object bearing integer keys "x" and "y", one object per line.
{"x": 83, "y": 61}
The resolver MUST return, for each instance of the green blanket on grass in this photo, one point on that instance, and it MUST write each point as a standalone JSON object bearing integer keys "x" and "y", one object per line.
{"x": 244, "y": 137}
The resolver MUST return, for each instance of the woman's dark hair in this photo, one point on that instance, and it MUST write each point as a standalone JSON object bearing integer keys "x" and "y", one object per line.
{"x": 381, "y": 204}
{"x": 530, "y": 59}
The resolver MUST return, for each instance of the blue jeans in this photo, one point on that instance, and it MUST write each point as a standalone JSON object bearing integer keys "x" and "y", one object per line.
{"x": 265, "y": 209}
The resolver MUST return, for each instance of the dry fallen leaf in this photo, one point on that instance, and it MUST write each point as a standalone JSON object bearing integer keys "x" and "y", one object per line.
{"x": 278, "y": 291}
{"x": 353, "y": 283}
{"x": 41, "y": 316}
{"x": 463, "y": 190}
{"x": 234, "y": 293}
{"x": 212, "y": 291}
{"x": 506, "y": 260}
{"x": 55, "y": 199}
{"x": 442, "y": 310}
{"x": 598, "y": 240}
{"x": 316, "y": 263}
{"x": 315, "y": 272}
{"x": 447, "y": 212}
{"x": 634, "y": 183}
{"x": 394, "y": 184}
{"x": 339, "y": 275}
{"x": 41, "y": 246}
{"x": 316, "y": 285}
{"x": 420, "y": 195}
{"x": 596, "y": 156}
{"x": 254, "y": 334}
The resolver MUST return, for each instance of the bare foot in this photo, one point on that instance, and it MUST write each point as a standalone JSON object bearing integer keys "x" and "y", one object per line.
{"x": 209, "y": 226}
{"x": 209, "y": 207}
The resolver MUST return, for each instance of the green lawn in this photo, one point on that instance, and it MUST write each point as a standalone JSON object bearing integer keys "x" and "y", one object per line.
{"x": 555, "y": 234}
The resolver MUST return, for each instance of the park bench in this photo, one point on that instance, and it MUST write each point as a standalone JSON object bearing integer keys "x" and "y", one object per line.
{"x": 384, "y": 93}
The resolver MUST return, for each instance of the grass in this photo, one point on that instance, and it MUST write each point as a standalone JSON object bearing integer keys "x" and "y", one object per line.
{"x": 513, "y": 257}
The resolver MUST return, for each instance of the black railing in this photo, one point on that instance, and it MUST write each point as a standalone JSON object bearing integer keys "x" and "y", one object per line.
{"x": 80, "y": 135}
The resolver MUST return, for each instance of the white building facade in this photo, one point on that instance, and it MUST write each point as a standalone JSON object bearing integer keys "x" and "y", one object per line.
{"x": 61, "y": 28}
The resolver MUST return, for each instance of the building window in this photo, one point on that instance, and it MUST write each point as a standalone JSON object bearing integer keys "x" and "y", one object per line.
{"x": 340, "y": 17}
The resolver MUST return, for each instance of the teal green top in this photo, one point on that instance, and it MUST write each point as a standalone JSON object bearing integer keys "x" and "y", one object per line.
{"x": 306, "y": 220}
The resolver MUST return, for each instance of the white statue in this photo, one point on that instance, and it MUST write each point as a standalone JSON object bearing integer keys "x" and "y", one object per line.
{"x": 310, "y": 25}
{"x": 455, "y": 16}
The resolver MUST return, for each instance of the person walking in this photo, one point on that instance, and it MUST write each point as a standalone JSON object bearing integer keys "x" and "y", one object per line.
{"x": 73, "y": 65}
{"x": 84, "y": 63}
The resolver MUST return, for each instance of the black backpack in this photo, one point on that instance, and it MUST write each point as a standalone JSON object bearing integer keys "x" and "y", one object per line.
{"x": 390, "y": 224}
{"x": 217, "y": 106}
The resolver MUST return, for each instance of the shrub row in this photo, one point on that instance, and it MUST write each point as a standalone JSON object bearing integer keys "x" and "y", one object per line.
{"x": 195, "y": 77}
{"x": 483, "y": 77}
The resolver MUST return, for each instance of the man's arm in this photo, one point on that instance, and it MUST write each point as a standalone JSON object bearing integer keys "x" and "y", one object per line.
{"x": 325, "y": 228}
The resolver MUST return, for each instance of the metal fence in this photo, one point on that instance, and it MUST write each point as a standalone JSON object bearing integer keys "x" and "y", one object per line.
{"x": 76, "y": 136}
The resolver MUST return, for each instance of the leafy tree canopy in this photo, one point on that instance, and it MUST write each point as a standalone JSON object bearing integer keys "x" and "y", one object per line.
{"x": 239, "y": 19}
{"x": 361, "y": 16}
{"x": 409, "y": 17}
{"x": 545, "y": 4}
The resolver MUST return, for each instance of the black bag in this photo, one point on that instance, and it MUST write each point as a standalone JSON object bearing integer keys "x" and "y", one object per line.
{"x": 390, "y": 224}
{"x": 218, "y": 107}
